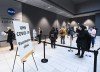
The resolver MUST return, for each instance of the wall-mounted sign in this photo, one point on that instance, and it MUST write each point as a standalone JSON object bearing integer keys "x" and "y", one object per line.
{"x": 11, "y": 11}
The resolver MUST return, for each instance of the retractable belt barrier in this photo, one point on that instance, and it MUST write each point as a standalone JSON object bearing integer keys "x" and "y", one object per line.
{"x": 3, "y": 40}
{"x": 44, "y": 60}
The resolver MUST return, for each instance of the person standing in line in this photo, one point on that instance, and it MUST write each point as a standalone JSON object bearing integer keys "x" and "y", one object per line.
{"x": 67, "y": 32}
{"x": 10, "y": 37}
{"x": 96, "y": 32}
{"x": 93, "y": 35}
{"x": 83, "y": 40}
{"x": 39, "y": 35}
{"x": 71, "y": 32}
{"x": 56, "y": 31}
{"x": 62, "y": 34}
{"x": 52, "y": 36}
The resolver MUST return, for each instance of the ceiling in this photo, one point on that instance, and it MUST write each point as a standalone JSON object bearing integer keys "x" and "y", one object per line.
{"x": 47, "y": 6}
{"x": 56, "y": 8}
{"x": 79, "y": 1}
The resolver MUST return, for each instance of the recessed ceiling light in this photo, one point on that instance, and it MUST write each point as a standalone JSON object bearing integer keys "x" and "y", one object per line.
{"x": 49, "y": 7}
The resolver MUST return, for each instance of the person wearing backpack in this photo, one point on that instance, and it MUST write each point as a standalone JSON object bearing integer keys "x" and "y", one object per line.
{"x": 52, "y": 36}
{"x": 62, "y": 34}
{"x": 10, "y": 37}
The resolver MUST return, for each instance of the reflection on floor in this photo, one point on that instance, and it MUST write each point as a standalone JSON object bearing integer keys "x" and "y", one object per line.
{"x": 59, "y": 59}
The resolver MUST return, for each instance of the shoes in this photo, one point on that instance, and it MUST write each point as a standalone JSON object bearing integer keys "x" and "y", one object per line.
{"x": 80, "y": 56}
{"x": 10, "y": 49}
{"x": 92, "y": 46}
{"x": 77, "y": 54}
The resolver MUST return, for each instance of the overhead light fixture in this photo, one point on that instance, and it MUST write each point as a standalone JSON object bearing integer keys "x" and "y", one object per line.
{"x": 49, "y": 7}
{"x": 68, "y": 22}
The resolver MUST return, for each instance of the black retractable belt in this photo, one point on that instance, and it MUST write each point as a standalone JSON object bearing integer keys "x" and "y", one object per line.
{"x": 95, "y": 54}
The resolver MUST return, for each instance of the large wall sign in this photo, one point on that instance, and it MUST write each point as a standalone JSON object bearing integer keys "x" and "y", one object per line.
{"x": 11, "y": 11}
{"x": 23, "y": 39}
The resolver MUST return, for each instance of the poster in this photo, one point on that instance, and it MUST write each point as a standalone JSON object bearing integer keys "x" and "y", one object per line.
{"x": 23, "y": 39}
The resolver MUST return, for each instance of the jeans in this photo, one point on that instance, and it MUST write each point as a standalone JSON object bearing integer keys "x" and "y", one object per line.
{"x": 92, "y": 41}
{"x": 62, "y": 39}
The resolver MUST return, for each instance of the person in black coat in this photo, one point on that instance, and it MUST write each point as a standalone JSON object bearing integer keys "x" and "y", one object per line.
{"x": 52, "y": 36}
{"x": 39, "y": 36}
{"x": 10, "y": 37}
{"x": 83, "y": 40}
{"x": 56, "y": 31}
{"x": 71, "y": 32}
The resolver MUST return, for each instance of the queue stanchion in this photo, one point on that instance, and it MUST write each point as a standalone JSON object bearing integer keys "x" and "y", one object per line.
{"x": 44, "y": 60}
{"x": 95, "y": 55}
{"x": 23, "y": 66}
{"x": 95, "y": 60}
{"x": 45, "y": 40}
{"x": 70, "y": 50}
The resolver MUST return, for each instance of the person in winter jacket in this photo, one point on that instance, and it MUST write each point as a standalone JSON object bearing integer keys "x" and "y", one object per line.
{"x": 83, "y": 40}
{"x": 52, "y": 36}
{"x": 62, "y": 33}
{"x": 10, "y": 37}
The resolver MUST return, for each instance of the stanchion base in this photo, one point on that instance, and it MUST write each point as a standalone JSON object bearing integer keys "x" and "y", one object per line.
{"x": 70, "y": 50}
{"x": 44, "y": 60}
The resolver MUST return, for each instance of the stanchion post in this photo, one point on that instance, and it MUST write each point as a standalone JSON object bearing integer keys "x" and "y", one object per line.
{"x": 45, "y": 40}
{"x": 95, "y": 60}
{"x": 70, "y": 44}
{"x": 44, "y": 60}
{"x": 23, "y": 66}
{"x": 15, "y": 59}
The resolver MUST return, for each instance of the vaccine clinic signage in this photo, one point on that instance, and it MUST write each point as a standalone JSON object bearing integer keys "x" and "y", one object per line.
{"x": 11, "y": 11}
{"x": 23, "y": 39}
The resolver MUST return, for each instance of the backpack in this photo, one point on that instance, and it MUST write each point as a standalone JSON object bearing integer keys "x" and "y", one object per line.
{"x": 52, "y": 35}
{"x": 13, "y": 36}
{"x": 61, "y": 31}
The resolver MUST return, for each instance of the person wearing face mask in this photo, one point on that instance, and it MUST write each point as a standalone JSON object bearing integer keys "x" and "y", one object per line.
{"x": 83, "y": 40}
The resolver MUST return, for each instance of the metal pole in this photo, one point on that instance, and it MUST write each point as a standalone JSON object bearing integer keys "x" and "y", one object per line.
{"x": 23, "y": 66}
{"x": 95, "y": 60}
{"x": 45, "y": 41}
{"x": 34, "y": 62}
{"x": 44, "y": 60}
{"x": 15, "y": 59}
{"x": 44, "y": 50}
{"x": 70, "y": 44}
